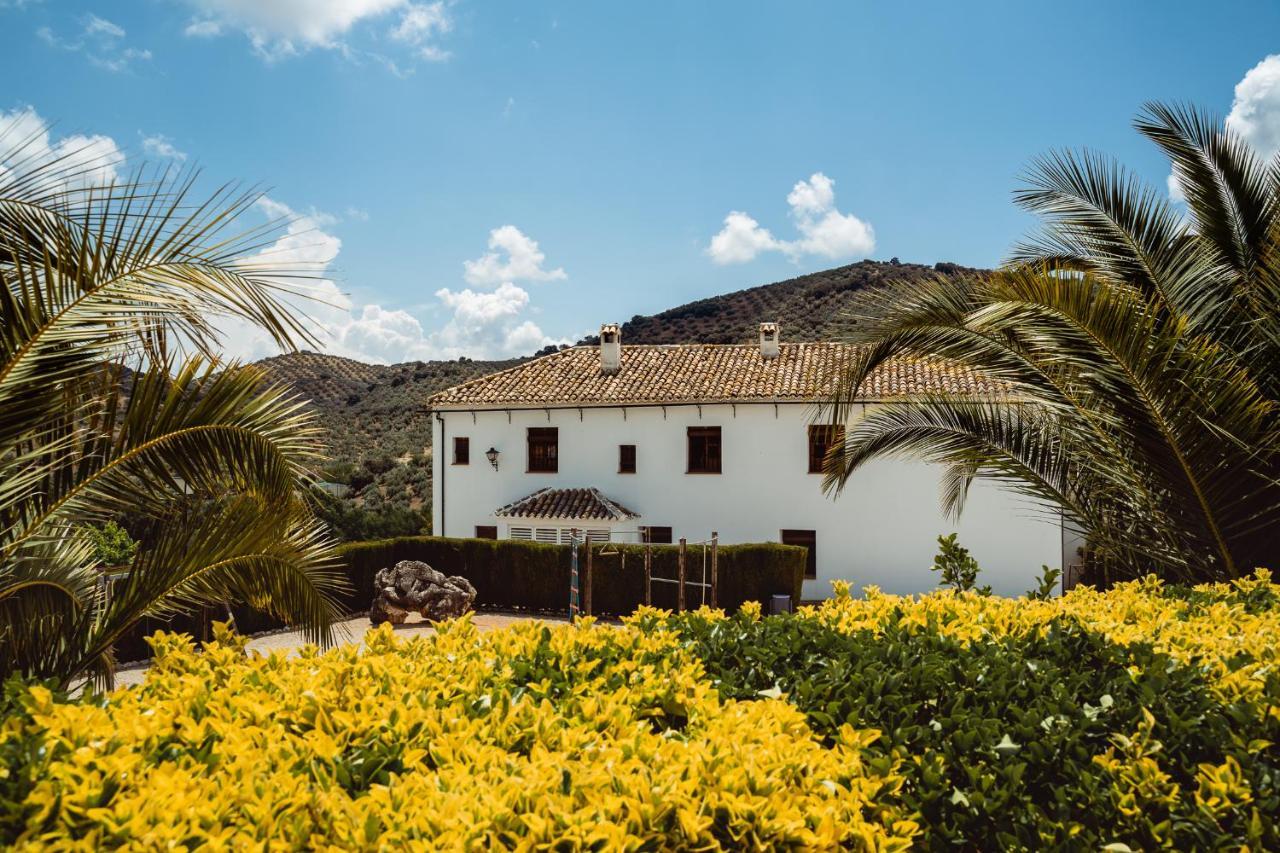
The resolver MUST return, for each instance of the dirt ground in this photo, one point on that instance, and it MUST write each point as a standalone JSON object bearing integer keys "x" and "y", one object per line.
{"x": 350, "y": 632}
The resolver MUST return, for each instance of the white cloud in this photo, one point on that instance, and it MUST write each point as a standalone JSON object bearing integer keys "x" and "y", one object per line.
{"x": 120, "y": 61}
{"x": 511, "y": 257}
{"x": 81, "y": 160}
{"x": 381, "y": 335}
{"x": 480, "y": 324}
{"x": 203, "y": 28}
{"x": 304, "y": 245}
{"x": 96, "y": 26}
{"x": 161, "y": 146}
{"x": 283, "y": 28}
{"x": 472, "y": 307}
{"x": 304, "y": 248}
{"x": 740, "y": 240}
{"x": 431, "y": 53}
{"x": 488, "y": 323}
{"x": 100, "y": 41}
{"x": 814, "y": 197}
{"x": 1255, "y": 114}
{"x": 823, "y": 229}
{"x": 422, "y": 21}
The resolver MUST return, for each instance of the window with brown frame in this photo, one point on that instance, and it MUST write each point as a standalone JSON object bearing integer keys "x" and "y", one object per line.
{"x": 805, "y": 539}
{"x": 821, "y": 438}
{"x": 486, "y": 531}
{"x": 461, "y": 450}
{"x": 544, "y": 450}
{"x": 626, "y": 458}
{"x": 704, "y": 450}
{"x": 656, "y": 535}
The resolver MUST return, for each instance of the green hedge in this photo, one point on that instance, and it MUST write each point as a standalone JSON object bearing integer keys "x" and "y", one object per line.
{"x": 526, "y": 575}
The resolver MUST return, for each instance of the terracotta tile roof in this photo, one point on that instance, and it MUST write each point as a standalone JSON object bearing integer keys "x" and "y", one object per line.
{"x": 566, "y": 503}
{"x": 702, "y": 373}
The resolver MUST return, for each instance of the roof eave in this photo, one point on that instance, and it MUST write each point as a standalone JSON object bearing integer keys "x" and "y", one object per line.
{"x": 715, "y": 401}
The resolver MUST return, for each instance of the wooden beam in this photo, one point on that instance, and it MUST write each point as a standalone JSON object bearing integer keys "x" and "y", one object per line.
{"x": 715, "y": 546}
{"x": 588, "y": 595}
{"x": 680, "y": 579}
{"x": 648, "y": 574}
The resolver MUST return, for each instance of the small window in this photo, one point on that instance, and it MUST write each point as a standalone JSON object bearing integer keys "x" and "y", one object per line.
{"x": 461, "y": 450}
{"x": 626, "y": 458}
{"x": 704, "y": 450}
{"x": 821, "y": 438}
{"x": 805, "y": 539}
{"x": 656, "y": 535}
{"x": 486, "y": 531}
{"x": 520, "y": 532}
{"x": 544, "y": 450}
{"x": 549, "y": 535}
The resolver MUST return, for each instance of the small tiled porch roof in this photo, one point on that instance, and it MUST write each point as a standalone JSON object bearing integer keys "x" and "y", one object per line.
{"x": 586, "y": 504}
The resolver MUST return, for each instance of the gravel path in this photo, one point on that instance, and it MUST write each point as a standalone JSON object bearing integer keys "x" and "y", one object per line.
{"x": 350, "y": 632}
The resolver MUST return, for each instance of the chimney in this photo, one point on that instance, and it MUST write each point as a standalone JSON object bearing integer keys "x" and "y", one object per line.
{"x": 610, "y": 349}
{"x": 768, "y": 340}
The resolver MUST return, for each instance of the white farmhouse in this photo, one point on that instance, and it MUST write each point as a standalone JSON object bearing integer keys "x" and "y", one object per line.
{"x": 678, "y": 441}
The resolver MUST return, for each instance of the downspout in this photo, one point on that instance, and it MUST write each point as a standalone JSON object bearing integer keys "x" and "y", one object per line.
{"x": 440, "y": 466}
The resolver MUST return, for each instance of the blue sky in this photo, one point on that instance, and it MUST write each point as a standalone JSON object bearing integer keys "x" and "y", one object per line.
{"x": 405, "y": 136}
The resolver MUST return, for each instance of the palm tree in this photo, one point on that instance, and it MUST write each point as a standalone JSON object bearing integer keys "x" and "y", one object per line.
{"x": 1138, "y": 346}
{"x": 113, "y": 402}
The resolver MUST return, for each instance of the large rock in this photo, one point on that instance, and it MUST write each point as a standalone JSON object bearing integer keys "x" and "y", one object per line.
{"x": 411, "y": 585}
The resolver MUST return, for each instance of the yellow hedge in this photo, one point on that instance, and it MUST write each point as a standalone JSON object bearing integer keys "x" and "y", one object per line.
{"x": 617, "y": 738}
{"x": 1212, "y": 627}
{"x": 619, "y": 741}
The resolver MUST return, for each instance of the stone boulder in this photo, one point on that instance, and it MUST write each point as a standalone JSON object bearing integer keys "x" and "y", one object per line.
{"x": 410, "y": 585}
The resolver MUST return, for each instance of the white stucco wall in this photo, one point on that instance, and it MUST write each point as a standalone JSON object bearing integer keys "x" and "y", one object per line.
{"x": 882, "y": 530}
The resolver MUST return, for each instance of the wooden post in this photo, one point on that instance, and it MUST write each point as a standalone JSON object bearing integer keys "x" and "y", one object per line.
{"x": 588, "y": 595}
{"x": 573, "y": 574}
{"x": 715, "y": 543}
{"x": 648, "y": 574}
{"x": 680, "y": 578}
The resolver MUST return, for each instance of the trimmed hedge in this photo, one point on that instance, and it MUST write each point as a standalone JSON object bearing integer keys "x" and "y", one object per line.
{"x": 531, "y": 576}
{"x": 514, "y": 575}
{"x": 132, "y": 645}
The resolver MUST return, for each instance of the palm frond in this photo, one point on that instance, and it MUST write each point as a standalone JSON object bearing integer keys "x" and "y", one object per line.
{"x": 114, "y": 402}
{"x": 1137, "y": 359}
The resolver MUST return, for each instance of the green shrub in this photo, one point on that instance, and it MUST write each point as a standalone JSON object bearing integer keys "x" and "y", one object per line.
{"x": 1000, "y": 735}
{"x": 1046, "y": 584}
{"x": 349, "y": 522}
{"x": 958, "y": 569}
{"x": 112, "y": 545}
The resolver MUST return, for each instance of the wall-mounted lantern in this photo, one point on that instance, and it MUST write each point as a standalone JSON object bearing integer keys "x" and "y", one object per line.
{"x": 492, "y": 455}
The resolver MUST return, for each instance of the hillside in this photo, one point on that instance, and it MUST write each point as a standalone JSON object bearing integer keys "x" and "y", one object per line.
{"x": 809, "y": 308}
{"x": 379, "y": 427}
{"x": 373, "y": 409}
